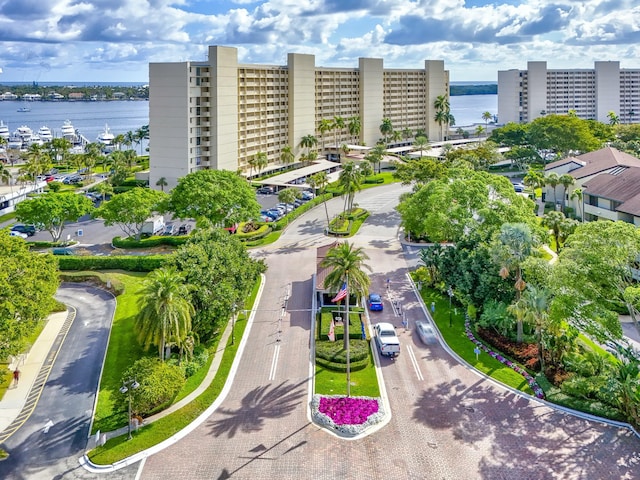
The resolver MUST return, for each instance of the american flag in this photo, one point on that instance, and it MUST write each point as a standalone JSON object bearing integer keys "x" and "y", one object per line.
{"x": 341, "y": 294}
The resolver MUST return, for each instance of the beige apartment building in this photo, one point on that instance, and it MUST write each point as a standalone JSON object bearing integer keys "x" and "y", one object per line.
{"x": 524, "y": 95}
{"x": 218, "y": 113}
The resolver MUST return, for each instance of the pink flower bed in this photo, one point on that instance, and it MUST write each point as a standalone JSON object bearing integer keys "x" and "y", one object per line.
{"x": 348, "y": 410}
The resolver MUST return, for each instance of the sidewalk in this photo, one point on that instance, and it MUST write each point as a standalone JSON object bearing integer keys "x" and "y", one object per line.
{"x": 29, "y": 365}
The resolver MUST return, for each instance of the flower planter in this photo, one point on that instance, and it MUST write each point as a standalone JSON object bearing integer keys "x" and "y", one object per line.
{"x": 348, "y": 416}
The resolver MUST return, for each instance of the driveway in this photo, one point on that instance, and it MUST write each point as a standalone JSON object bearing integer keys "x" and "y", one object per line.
{"x": 49, "y": 443}
{"x": 448, "y": 422}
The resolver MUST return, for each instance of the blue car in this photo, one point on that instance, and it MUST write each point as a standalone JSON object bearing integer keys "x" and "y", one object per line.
{"x": 375, "y": 302}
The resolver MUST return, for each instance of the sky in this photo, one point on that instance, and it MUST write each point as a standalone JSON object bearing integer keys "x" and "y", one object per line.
{"x": 114, "y": 40}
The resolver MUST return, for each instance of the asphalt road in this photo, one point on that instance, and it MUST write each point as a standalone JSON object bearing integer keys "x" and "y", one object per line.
{"x": 67, "y": 401}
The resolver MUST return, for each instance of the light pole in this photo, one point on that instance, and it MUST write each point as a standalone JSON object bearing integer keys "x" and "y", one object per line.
{"x": 233, "y": 322}
{"x": 450, "y": 293}
{"x": 127, "y": 386}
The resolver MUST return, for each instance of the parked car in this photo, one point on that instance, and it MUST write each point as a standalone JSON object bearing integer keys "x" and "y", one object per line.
{"x": 62, "y": 251}
{"x": 28, "y": 230}
{"x": 265, "y": 190}
{"x": 307, "y": 195}
{"x": 18, "y": 234}
{"x": 426, "y": 333}
{"x": 375, "y": 302}
{"x": 184, "y": 229}
{"x": 169, "y": 229}
{"x": 518, "y": 187}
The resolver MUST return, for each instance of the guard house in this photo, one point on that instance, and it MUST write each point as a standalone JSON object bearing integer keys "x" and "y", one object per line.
{"x": 323, "y": 294}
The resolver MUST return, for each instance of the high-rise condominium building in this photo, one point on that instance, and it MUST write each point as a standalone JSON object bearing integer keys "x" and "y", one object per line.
{"x": 218, "y": 113}
{"x": 524, "y": 95}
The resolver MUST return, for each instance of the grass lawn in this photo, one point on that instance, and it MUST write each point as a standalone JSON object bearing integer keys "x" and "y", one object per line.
{"x": 363, "y": 382}
{"x": 154, "y": 433}
{"x": 457, "y": 340}
{"x": 122, "y": 352}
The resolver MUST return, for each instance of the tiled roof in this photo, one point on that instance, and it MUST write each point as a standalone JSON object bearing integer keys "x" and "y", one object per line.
{"x": 623, "y": 187}
{"x": 602, "y": 160}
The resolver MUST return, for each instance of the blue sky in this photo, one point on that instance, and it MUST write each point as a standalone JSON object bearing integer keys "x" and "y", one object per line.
{"x": 114, "y": 40}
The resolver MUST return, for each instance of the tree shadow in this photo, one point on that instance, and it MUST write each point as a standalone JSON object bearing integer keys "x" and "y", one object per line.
{"x": 257, "y": 406}
{"x": 528, "y": 439}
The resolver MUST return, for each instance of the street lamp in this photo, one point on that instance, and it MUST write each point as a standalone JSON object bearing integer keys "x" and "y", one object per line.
{"x": 127, "y": 386}
{"x": 233, "y": 322}
{"x": 450, "y": 293}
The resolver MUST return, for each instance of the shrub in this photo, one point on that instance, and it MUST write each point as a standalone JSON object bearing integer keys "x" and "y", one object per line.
{"x": 374, "y": 179}
{"x": 305, "y": 207}
{"x": 255, "y": 231}
{"x": 524, "y": 353}
{"x": 130, "y": 263}
{"x": 154, "y": 241}
{"x": 101, "y": 280}
{"x": 332, "y": 356}
{"x": 159, "y": 383}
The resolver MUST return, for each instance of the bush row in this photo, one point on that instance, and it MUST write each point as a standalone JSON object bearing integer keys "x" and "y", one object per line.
{"x": 130, "y": 263}
{"x": 305, "y": 207}
{"x": 262, "y": 231}
{"x": 154, "y": 241}
{"x": 99, "y": 279}
{"x": 332, "y": 356}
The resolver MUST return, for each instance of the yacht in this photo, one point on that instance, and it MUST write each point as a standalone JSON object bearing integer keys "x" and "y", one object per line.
{"x": 35, "y": 140}
{"x": 4, "y": 130}
{"x": 24, "y": 132}
{"x": 45, "y": 134}
{"x": 14, "y": 143}
{"x": 106, "y": 137}
{"x": 68, "y": 131}
{"x": 24, "y": 109}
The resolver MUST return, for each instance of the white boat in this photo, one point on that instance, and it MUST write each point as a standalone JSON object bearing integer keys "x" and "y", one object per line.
{"x": 24, "y": 132}
{"x": 106, "y": 138}
{"x": 24, "y": 109}
{"x": 14, "y": 143}
{"x": 68, "y": 131}
{"x": 45, "y": 134}
{"x": 4, "y": 130}
{"x": 35, "y": 140}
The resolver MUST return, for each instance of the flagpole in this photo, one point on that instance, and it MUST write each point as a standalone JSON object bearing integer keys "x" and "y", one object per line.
{"x": 346, "y": 334}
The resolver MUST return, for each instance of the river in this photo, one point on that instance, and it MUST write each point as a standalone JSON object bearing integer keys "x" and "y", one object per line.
{"x": 123, "y": 116}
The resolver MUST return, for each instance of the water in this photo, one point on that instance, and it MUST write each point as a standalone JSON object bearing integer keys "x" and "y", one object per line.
{"x": 468, "y": 109}
{"x": 87, "y": 117}
{"x": 123, "y": 116}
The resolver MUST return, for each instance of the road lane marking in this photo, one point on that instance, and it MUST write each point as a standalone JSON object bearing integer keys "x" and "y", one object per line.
{"x": 274, "y": 363}
{"x": 416, "y": 367}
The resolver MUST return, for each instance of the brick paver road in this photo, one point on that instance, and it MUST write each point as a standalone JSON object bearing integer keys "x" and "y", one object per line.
{"x": 452, "y": 424}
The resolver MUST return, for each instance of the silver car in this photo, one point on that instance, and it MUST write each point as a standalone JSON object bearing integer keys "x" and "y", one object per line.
{"x": 426, "y": 333}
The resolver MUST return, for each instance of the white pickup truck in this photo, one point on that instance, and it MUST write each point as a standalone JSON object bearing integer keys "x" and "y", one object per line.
{"x": 387, "y": 340}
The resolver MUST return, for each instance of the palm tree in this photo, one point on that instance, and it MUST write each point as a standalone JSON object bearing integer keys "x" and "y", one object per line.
{"x": 5, "y": 175}
{"x": 553, "y": 180}
{"x": 396, "y": 136}
{"x": 320, "y": 181}
{"x": 165, "y": 310}
{"x": 119, "y": 140}
{"x": 486, "y": 116}
{"x": 162, "y": 182}
{"x": 386, "y": 129}
{"x": 354, "y": 127}
{"x": 347, "y": 265}
{"x": 515, "y": 243}
{"x": 58, "y": 149}
{"x": 142, "y": 134}
{"x": 536, "y": 305}
{"x": 350, "y": 180}
{"x": 376, "y": 154}
{"x": 443, "y": 112}
{"x": 261, "y": 161}
{"x": 92, "y": 153}
{"x": 407, "y": 133}
{"x": 613, "y": 118}
{"x": 286, "y": 155}
{"x": 308, "y": 142}
{"x": 441, "y": 119}
{"x": 534, "y": 179}
{"x": 479, "y": 130}
{"x": 577, "y": 194}
{"x": 104, "y": 189}
{"x": 566, "y": 181}
{"x": 288, "y": 195}
{"x": 129, "y": 138}
{"x": 323, "y": 127}
{"x": 421, "y": 144}
{"x": 337, "y": 126}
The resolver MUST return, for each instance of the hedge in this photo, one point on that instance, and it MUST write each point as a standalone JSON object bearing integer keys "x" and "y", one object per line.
{"x": 154, "y": 241}
{"x": 332, "y": 356}
{"x": 374, "y": 179}
{"x": 261, "y": 232}
{"x": 114, "y": 285}
{"x": 129, "y": 263}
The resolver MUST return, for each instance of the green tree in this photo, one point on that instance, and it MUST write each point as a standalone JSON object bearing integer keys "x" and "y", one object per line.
{"x": 59, "y": 148}
{"x": 51, "y": 211}
{"x": 162, "y": 182}
{"x": 577, "y": 194}
{"x": 613, "y": 118}
{"x": 442, "y": 115}
{"x": 420, "y": 171}
{"x": 286, "y": 155}
{"x": 421, "y": 144}
{"x": 337, "y": 126}
{"x": 5, "y": 175}
{"x": 319, "y": 182}
{"x": 221, "y": 274}
{"x": 351, "y": 182}
{"x": 308, "y": 142}
{"x": 562, "y": 134}
{"x": 347, "y": 264}
{"x": 376, "y": 154}
{"x": 29, "y": 280}
{"x": 220, "y": 196}
{"x": 513, "y": 246}
{"x": 479, "y": 131}
{"x": 165, "y": 310}
{"x": 354, "y": 126}
{"x": 566, "y": 181}
{"x": 92, "y": 154}
{"x": 261, "y": 161}
{"x": 141, "y": 134}
{"x": 324, "y": 126}
{"x": 386, "y": 129}
{"x": 129, "y": 210}
{"x": 553, "y": 180}
{"x": 104, "y": 189}
{"x": 486, "y": 116}
{"x": 289, "y": 195}
{"x": 560, "y": 226}
{"x": 534, "y": 179}
{"x": 536, "y": 306}
{"x": 510, "y": 135}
